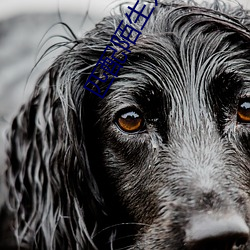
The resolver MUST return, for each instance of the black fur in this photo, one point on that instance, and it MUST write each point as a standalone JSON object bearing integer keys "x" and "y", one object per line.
{"x": 77, "y": 181}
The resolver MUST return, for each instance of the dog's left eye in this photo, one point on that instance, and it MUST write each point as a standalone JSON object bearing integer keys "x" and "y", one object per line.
{"x": 130, "y": 121}
{"x": 243, "y": 113}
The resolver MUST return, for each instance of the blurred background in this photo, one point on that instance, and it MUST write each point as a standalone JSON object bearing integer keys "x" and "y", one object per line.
{"x": 25, "y": 27}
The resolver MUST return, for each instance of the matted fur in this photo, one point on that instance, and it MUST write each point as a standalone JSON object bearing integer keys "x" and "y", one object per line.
{"x": 78, "y": 182}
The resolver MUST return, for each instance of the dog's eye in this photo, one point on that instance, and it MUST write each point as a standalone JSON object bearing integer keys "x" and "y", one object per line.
{"x": 130, "y": 121}
{"x": 243, "y": 113}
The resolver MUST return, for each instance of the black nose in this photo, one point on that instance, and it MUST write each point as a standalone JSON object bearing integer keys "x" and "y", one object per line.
{"x": 217, "y": 232}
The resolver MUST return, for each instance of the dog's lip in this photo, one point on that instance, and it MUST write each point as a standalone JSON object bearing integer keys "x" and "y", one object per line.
{"x": 213, "y": 225}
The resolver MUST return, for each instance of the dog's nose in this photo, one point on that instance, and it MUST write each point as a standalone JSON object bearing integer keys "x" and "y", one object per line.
{"x": 217, "y": 232}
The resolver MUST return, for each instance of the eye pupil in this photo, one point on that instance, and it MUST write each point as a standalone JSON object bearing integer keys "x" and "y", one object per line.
{"x": 245, "y": 105}
{"x": 243, "y": 113}
{"x": 130, "y": 121}
{"x": 130, "y": 115}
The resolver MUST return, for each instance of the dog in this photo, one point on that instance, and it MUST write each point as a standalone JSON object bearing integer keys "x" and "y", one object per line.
{"x": 161, "y": 162}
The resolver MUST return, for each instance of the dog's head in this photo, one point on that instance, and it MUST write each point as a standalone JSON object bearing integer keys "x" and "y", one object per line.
{"x": 163, "y": 159}
{"x": 174, "y": 131}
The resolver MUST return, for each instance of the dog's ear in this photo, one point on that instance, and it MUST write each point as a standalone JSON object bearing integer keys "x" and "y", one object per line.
{"x": 52, "y": 191}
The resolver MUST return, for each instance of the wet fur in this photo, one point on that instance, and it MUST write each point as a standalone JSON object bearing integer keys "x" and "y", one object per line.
{"x": 78, "y": 182}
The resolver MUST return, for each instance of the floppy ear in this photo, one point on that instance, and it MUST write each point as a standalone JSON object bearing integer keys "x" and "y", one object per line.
{"x": 52, "y": 191}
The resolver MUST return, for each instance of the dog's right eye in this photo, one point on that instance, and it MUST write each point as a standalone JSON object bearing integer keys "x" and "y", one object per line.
{"x": 130, "y": 121}
{"x": 243, "y": 113}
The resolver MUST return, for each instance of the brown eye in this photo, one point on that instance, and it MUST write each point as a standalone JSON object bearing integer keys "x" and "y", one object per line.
{"x": 243, "y": 113}
{"x": 130, "y": 121}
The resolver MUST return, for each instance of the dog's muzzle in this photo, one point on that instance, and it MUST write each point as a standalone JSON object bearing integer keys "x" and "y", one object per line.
{"x": 217, "y": 232}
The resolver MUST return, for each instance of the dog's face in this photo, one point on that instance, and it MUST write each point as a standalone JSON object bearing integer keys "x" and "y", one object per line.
{"x": 160, "y": 163}
{"x": 174, "y": 133}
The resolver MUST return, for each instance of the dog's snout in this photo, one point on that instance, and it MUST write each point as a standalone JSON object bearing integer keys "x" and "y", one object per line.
{"x": 217, "y": 232}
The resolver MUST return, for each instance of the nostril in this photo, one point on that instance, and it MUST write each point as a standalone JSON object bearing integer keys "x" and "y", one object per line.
{"x": 241, "y": 241}
{"x": 217, "y": 232}
{"x": 223, "y": 242}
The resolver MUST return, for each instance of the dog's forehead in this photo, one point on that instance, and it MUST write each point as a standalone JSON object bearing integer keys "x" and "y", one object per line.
{"x": 186, "y": 56}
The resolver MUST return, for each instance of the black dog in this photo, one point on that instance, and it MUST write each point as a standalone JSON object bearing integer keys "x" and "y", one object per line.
{"x": 160, "y": 163}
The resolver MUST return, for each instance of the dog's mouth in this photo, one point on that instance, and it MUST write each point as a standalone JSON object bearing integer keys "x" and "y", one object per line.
{"x": 222, "y": 232}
